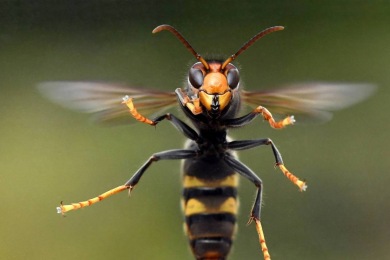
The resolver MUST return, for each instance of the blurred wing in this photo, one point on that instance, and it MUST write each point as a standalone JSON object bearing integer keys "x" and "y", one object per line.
{"x": 104, "y": 101}
{"x": 311, "y": 101}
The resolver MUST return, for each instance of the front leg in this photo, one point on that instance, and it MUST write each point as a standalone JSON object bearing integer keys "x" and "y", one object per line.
{"x": 192, "y": 104}
{"x": 244, "y": 120}
{"x": 180, "y": 125}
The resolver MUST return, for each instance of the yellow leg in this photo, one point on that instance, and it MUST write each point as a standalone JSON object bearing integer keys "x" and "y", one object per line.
{"x": 65, "y": 208}
{"x": 129, "y": 103}
{"x": 294, "y": 179}
{"x": 192, "y": 104}
{"x": 268, "y": 116}
{"x": 263, "y": 245}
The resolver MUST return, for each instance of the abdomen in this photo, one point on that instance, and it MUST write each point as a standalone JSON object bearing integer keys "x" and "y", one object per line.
{"x": 210, "y": 206}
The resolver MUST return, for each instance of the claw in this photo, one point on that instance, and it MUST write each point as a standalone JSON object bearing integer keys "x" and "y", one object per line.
{"x": 125, "y": 98}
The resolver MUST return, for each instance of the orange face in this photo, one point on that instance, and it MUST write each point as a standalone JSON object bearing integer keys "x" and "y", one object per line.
{"x": 216, "y": 92}
{"x": 212, "y": 86}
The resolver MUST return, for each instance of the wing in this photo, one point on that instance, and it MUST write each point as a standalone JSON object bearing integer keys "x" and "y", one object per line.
{"x": 103, "y": 100}
{"x": 311, "y": 101}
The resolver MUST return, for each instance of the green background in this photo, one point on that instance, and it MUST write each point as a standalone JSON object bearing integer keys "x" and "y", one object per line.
{"x": 49, "y": 154}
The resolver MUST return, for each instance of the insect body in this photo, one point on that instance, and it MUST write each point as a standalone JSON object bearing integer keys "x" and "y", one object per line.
{"x": 211, "y": 101}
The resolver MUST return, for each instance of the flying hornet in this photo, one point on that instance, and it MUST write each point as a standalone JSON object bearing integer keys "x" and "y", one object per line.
{"x": 211, "y": 100}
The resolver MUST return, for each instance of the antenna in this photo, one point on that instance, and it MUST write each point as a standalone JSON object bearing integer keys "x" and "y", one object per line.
{"x": 250, "y": 42}
{"x": 166, "y": 27}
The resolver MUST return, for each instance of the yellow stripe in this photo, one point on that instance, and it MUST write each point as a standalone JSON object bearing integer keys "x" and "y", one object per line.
{"x": 195, "y": 206}
{"x": 191, "y": 181}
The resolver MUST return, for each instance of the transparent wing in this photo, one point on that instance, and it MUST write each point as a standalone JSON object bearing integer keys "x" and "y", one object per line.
{"x": 103, "y": 100}
{"x": 311, "y": 101}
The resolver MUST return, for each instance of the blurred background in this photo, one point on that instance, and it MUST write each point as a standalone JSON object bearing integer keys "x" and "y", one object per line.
{"x": 49, "y": 154}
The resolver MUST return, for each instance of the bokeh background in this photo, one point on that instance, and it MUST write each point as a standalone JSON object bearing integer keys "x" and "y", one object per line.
{"x": 49, "y": 154}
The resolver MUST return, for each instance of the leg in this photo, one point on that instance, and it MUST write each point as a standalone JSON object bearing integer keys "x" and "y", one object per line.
{"x": 165, "y": 155}
{"x": 247, "y": 144}
{"x": 243, "y": 170}
{"x": 244, "y": 120}
{"x": 180, "y": 125}
{"x": 192, "y": 104}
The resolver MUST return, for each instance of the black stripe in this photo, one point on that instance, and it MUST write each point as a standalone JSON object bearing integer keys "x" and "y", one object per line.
{"x": 213, "y": 239}
{"x": 211, "y": 225}
{"x": 197, "y": 218}
{"x": 196, "y": 192}
{"x": 203, "y": 246}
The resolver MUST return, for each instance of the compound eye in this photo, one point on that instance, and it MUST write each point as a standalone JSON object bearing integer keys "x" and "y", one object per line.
{"x": 233, "y": 78}
{"x": 196, "y": 77}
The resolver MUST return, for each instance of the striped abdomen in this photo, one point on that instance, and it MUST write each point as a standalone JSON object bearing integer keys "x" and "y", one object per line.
{"x": 210, "y": 207}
